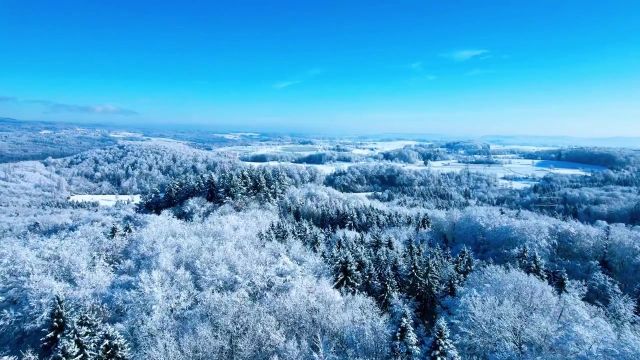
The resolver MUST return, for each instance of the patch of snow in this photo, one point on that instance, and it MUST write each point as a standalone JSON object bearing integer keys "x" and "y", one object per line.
{"x": 519, "y": 167}
{"x": 516, "y": 184}
{"x": 124, "y": 134}
{"x": 521, "y": 147}
{"x": 106, "y": 200}
{"x": 236, "y": 136}
{"x": 322, "y": 168}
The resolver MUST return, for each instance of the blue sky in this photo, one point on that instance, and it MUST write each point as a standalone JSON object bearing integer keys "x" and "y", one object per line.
{"x": 544, "y": 67}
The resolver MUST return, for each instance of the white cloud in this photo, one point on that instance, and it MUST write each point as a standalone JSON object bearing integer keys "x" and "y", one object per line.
{"x": 416, "y": 66}
{"x": 476, "y": 72}
{"x": 55, "y": 107}
{"x": 465, "y": 54}
{"x": 285, "y": 84}
{"x": 307, "y": 75}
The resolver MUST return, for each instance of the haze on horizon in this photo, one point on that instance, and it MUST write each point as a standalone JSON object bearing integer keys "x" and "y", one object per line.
{"x": 465, "y": 68}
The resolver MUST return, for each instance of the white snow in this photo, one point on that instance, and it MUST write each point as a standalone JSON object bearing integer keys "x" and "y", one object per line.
{"x": 124, "y": 134}
{"x": 237, "y": 135}
{"x": 106, "y": 200}
{"x": 519, "y": 167}
{"x": 322, "y": 168}
{"x": 369, "y": 148}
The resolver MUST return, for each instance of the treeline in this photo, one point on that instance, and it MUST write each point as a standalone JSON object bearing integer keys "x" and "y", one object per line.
{"x": 432, "y": 189}
{"x": 230, "y": 185}
{"x": 611, "y": 158}
{"x": 133, "y": 168}
{"x": 316, "y": 158}
{"x": 611, "y": 196}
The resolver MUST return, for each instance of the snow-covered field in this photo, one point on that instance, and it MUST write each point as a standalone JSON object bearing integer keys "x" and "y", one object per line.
{"x": 106, "y": 200}
{"x": 513, "y": 171}
{"x": 518, "y": 167}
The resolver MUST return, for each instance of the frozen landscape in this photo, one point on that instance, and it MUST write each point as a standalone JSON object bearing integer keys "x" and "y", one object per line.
{"x": 296, "y": 247}
{"x": 320, "y": 180}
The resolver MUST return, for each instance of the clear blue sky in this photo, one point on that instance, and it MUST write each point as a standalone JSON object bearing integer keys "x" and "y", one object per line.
{"x": 544, "y": 67}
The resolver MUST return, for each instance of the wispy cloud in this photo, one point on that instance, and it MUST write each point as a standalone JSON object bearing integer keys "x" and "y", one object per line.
{"x": 7, "y": 98}
{"x": 419, "y": 69}
{"x": 299, "y": 79}
{"x": 465, "y": 54}
{"x": 477, "y": 72}
{"x": 416, "y": 66}
{"x": 56, "y": 107}
{"x": 285, "y": 84}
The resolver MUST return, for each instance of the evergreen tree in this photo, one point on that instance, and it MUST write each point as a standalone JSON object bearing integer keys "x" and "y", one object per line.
{"x": 537, "y": 266}
{"x": 128, "y": 229}
{"x": 346, "y": 272}
{"x": 82, "y": 346}
{"x": 464, "y": 263}
{"x": 423, "y": 222}
{"x": 522, "y": 258}
{"x": 414, "y": 268}
{"x": 429, "y": 293}
{"x": 114, "y": 231}
{"x": 86, "y": 334}
{"x": 113, "y": 346}
{"x": 558, "y": 279}
{"x": 388, "y": 288}
{"x": 405, "y": 344}
{"x": 66, "y": 350}
{"x": 57, "y": 325}
{"x": 442, "y": 347}
{"x": 452, "y": 285}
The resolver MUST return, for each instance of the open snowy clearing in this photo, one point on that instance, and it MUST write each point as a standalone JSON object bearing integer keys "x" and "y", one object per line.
{"x": 106, "y": 200}
{"x": 518, "y": 167}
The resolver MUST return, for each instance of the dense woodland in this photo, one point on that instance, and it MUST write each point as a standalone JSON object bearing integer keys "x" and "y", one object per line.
{"x": 225, "y": 260}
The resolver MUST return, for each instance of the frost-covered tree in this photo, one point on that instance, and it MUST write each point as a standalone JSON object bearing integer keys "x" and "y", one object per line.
{"x": 429, "y": 295}
{"x": 505, "y": 313}
{"x": 112, "y": 346}
{"x": 464, "y": 262}
{"x": 405, "y": 344}
{"x": 347, "y": 276}
{"x": 57, "y": 325}
{"x": 442, "y": 348}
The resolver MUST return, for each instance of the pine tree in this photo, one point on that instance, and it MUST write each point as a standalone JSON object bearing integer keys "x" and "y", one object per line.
{"x": 414, "y": 267}
{"x": 86, "y": 335}
{"x": 388, "y": 288}
{"x": 452, "y": 285}
{"x": 423, "y": 222}
{"x": 464, "y": 263}
{"x": 430, "y": 292}
{"x": 113, "y": 346}
{"x": 57, "y": 325}
{"x": 82, "y": 346}
{"x": 114, "y": 231}
{"x": 128, "y": 229}
{"x": 66, "y": 350}
{"x": 405, "y": 345}
{"x": 558, "y": 279}
{"x": 442, "y": 347}
{"x": 536, "y": 267}
{"x": 346, "y": 272}
{"x": 522, "y": 258}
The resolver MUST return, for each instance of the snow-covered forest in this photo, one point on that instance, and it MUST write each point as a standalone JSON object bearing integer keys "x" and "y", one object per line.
{"x": 247, "y": 246}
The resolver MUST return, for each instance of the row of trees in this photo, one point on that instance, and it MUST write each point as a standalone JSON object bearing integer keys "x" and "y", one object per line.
{"x": 82, "y": 337}
{"x": 229, "y": 185}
